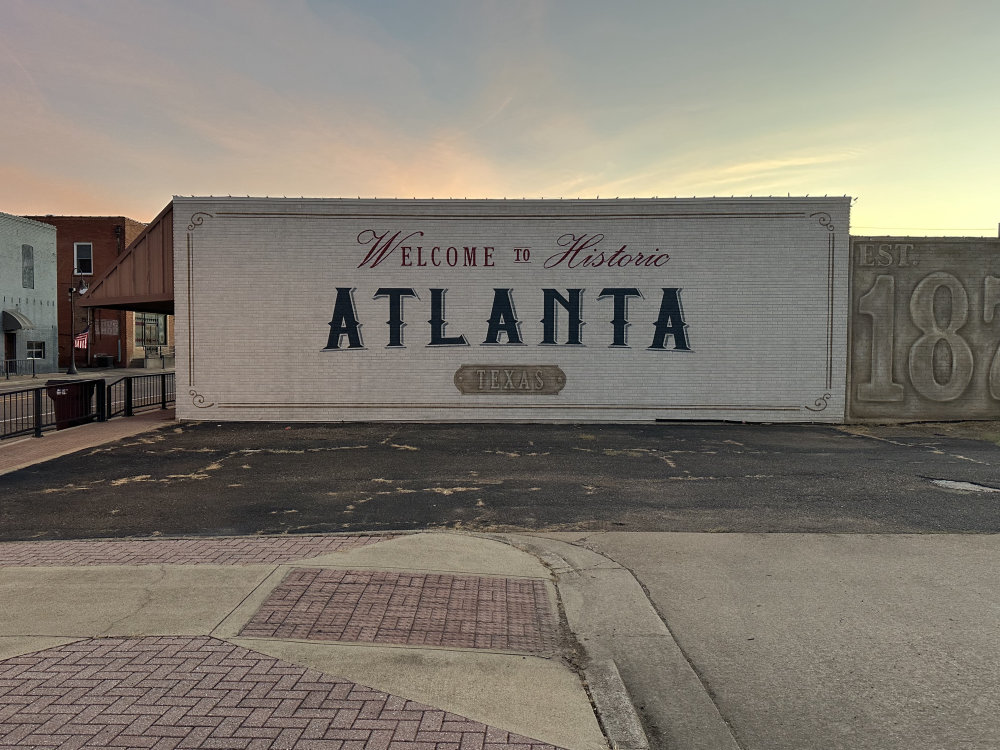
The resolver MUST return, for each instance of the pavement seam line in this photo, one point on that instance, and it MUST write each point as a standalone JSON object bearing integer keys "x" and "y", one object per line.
{"x": 923, "y": 446}
{"x": 267, "y": 575}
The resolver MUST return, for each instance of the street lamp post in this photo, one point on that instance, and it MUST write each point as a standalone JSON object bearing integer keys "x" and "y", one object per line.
{"x": 80, "y": 286}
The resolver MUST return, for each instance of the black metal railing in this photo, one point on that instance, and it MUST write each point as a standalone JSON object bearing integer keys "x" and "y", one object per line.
{"x": 65, "y": 403}
{"x": 15, "y": 367}
{"x": 26, "y": 411}
{"x": 132, "y": 394}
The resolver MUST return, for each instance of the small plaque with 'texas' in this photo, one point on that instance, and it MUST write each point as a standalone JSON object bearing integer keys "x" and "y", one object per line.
{"x": 514, "y": 380}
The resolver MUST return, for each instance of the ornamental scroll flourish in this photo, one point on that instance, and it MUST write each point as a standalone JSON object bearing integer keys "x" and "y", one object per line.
{"x": 197, "y": 219}
{"x": 824, "y": 219}
{"x": 198, "y": 401}
{"x": 821, "y": 403}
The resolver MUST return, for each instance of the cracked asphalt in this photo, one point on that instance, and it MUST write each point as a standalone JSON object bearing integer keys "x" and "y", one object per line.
{"x": 243, "y": 478}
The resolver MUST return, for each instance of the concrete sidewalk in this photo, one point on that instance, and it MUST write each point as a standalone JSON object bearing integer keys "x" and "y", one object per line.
{"x": 16, "y": 453}
{"x": 808, "y": 641}
{"x": 415, "y": 641}
{"x": 453, "y": 640}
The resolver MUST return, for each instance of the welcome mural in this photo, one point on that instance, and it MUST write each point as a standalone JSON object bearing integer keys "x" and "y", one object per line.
{"x": 585, "y": 310}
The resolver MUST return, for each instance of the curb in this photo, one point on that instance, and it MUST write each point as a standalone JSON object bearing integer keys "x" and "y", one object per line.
{"x": 632, "y": 657}
{"x": 615, "y": 711}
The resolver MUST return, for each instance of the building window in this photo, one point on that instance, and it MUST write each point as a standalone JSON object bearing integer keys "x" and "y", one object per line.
{"x": 106, "y": 326}
{"x": 27, "y": 266}
{"x": 150, "y": 329}
{"x": 36, "y": 350}
{"x": 83, "y": 258}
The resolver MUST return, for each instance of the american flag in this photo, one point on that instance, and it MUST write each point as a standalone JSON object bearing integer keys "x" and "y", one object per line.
{"x": 80, "y": 342}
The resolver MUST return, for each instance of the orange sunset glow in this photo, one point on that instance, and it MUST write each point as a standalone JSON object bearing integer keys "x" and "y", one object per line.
{"x": 114, "y": 107}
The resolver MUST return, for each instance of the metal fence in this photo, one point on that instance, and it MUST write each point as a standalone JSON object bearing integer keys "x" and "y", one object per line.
{"x": 139, "y": 392}
{"x": 64, "y": 403}
{"x": 14, "y": 367}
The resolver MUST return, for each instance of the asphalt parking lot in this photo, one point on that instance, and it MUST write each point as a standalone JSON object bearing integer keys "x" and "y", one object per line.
{"x": 239, "y": 478}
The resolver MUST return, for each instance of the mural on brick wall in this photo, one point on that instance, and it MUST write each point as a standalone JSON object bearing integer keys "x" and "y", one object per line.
{"x": 925, "y": 328}
{"x": 512, "y": 310}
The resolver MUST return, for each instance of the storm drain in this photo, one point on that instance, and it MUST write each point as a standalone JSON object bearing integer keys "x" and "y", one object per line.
{"x": 951, "y": 484}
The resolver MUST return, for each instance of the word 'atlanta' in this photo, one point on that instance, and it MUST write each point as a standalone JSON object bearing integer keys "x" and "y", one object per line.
{"x": 503, "y": 322}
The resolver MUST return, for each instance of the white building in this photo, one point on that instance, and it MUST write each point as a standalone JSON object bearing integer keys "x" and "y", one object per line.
{"x": 525, "y": 310}
{"x": 28, "y": 295}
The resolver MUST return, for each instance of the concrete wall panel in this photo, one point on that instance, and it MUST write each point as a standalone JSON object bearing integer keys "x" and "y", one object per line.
{"x": 925, "y": 328}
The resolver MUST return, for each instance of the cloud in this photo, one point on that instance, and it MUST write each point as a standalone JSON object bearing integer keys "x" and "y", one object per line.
{"x": 115, "y": 105}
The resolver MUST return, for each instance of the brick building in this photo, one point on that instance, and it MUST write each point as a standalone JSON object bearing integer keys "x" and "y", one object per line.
{"x": 90, "y": 245}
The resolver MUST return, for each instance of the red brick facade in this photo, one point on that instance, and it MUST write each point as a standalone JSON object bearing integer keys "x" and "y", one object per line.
{"x": 112, "y": 331}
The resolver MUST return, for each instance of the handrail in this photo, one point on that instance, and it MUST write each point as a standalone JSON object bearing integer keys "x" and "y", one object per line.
{"x": 35, "y": 410}
{"x": 10, "y": 367}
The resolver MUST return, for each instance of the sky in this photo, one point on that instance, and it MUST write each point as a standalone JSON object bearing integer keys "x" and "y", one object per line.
{"x": 111, "y": 107}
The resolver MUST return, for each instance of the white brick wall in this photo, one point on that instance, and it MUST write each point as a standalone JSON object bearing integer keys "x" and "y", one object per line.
{"x": 37, "y": 303}
{"x": 763, "y": 287}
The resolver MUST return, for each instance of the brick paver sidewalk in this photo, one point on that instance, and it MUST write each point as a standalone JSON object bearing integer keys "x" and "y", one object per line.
{"x": 182, "y": 692}
{"x": 247, "y": 550}
{"x": 461, "y": 611}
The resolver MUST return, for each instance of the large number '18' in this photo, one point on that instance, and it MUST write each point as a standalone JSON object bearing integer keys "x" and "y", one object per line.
{"x": 879, "y": 303}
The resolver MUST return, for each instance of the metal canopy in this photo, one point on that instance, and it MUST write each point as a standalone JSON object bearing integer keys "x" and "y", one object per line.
{"x": 15, "y": 321}
{"x": 141, "y": 278}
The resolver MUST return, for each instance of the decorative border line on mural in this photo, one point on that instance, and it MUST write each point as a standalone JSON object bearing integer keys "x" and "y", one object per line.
{"x": 618, "y": 407}
{"x": 190, "y": 313}
{"x": 197, "y": 219}
{"x": 826, "y": 221}
{"x": 820, "y": 404}
{"x": 511, "y": 217}
{"x": 829, "y": 313}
